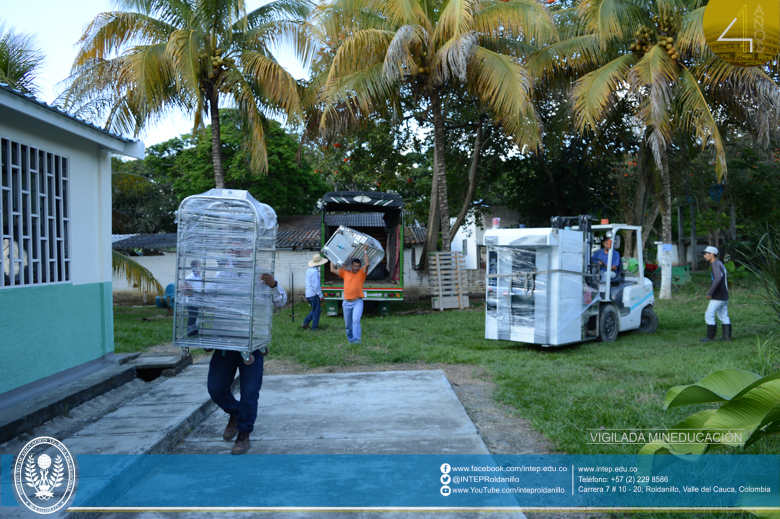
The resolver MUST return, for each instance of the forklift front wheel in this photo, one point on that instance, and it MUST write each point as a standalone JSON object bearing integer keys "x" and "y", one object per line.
{"x": 608, "y": 323}
{"x": 649, "y": 323}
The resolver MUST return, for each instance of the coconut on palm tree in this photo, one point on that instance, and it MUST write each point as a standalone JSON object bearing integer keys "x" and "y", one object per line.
{"x": 138, "y": 64}
{"x": 427, "y": 50}
{"x": 655, "y": 52}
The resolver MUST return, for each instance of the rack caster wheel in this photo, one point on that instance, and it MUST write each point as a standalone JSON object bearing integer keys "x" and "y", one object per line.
{"x": 248, "y": 358}
{"x": 264, "y": 351}
{"x": 208, "y": 350}
{"x": 185, "y": 352}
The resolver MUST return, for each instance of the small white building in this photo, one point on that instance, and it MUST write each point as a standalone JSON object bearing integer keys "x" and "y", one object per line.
{"x": 55, "y": 222}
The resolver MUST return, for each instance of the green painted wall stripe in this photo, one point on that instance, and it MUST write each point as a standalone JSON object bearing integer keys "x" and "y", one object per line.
{"x": 49, "y": 328}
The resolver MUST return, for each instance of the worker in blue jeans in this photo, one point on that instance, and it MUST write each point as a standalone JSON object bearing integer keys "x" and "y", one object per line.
{"x": 224, "y": 363}
{"x": 314, "y": 292}
{"x": 353, "y": 294}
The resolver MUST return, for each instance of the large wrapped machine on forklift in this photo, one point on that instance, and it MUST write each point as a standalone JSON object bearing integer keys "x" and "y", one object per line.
{"x": 229, "y": 238}
{"x": 539, "y": 289}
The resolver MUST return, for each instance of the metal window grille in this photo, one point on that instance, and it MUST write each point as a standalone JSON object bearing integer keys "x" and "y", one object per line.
{"x": 34, "y": 216}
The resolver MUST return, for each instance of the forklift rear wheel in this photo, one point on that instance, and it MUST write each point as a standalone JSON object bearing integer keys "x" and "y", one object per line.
{"x": 608, "y": 324}
{"x": 649, "y": 323}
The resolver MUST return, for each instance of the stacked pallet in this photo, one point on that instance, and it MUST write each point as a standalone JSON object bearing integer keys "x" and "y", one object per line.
{"x": 448, "y": 280}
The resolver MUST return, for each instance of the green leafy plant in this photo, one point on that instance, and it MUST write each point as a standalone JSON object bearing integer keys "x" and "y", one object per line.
{"x": 764, "y": 261}
{"x": 750, "y": 410}
{"x": 734, "y": 271}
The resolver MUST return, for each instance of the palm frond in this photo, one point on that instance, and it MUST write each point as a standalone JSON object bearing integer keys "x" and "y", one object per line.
{"x": 278, "y": 11}
{"x": 697, "y": 119}
{"x": 276, "y": 86}
{"x": 652, "y": 79}
{"x": 593, "y": 95}
{"x": 110, "y": 32}
{"x": 20, "y": 60}
{"x": 398, "y": 12}
{"x": 254, "y": 123}
{"x": 520, "y": 19}
{"x": 453, "y": 57}
{"x": 455, "y": 20}
{"x": 506, "y": 89}
{"x": 691, "y": 40}
{"x": 577, "y": 55}
{"x": 612, "y": 19}
{"x": 398, "y": 58}
{"x": 137, "y": 275}
{"x": 518, "y": 49}
{"x": 359, "y": 51}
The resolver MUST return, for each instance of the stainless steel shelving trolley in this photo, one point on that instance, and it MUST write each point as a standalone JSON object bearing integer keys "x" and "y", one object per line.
{"x": 226, "y": 240}
{"x": 347, "y": 244}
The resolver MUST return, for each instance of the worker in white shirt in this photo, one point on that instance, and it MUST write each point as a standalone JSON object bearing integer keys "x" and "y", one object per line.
{"x": 314, "y": 292}
{"x": 193, "y": 291}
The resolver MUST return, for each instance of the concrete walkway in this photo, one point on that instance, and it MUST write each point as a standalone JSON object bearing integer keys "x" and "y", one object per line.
{"x": 392, "y": 412}
{"x": 405, "y": 412}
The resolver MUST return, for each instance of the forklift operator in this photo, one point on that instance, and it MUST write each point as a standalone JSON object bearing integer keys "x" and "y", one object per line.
{"x": 602, "y": 256}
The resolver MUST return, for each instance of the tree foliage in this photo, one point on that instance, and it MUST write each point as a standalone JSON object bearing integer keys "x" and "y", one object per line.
{"x": 20, "y": 60}
{"x": 139, "y": 63}
{"x": 182, "y": 167}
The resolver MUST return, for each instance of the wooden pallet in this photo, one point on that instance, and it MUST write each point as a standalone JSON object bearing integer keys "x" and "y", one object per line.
{"x": 447, "y": 280}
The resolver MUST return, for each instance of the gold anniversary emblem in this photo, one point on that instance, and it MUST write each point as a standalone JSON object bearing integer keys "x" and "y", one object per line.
{"x": 745, "y": 33}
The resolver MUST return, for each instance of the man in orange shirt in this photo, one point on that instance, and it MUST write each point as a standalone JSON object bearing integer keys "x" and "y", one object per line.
{"x": 353, "y": 294}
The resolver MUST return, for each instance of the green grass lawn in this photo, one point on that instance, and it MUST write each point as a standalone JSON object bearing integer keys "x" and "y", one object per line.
{"x": 566, "y": 392}
{"x": 137, "y": 328}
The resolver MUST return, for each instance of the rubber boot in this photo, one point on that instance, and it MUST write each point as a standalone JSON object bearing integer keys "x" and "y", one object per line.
{"x": 726, "y": 333}
{"x": 712, "y": 329}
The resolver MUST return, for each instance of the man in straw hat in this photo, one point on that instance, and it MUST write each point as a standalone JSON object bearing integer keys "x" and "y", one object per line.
{"x": 719, "y": 298}
{"x": 314, "y": 292}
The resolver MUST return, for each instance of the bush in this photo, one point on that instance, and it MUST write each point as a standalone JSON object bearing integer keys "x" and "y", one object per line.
{"x": 764, "y": 261}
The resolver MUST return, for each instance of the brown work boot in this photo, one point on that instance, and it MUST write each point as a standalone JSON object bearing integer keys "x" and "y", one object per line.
{"x": 242, "y": 444}
{"x": 230, "y": 430}
{"x": 305, "y": 326}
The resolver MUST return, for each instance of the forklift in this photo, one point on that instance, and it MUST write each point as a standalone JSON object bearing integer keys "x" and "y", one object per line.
{"x": 543, "y": 287}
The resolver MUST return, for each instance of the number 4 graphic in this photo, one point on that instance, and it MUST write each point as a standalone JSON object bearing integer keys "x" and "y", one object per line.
{"x": 742, "y": 13}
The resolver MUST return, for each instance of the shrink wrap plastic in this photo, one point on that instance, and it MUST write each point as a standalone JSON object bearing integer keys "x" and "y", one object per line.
{"x": 226, "y": 240}
{"x": 537, "y": 293}
{"x": 347, "y": 244}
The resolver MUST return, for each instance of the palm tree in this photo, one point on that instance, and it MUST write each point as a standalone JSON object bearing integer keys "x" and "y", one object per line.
{"x": 138, "y": 64}
{"x": 655, "y": 52}
{"x": 426, "y": 50}
{"x": 20, "y": 60}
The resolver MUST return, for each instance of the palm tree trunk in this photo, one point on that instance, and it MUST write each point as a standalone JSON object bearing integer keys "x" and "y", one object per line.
{"x": 439, "y": 169}
{"x": 472, "y": 180}
{"x": 432, "y": 230}
{"x": 216, "y": 148}
{"x": 666, "y": 230}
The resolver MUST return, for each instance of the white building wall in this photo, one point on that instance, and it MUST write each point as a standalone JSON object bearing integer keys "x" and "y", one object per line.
{"x": 164, "y": 270}
{"x": 472, "y": 233}
{"x": 90, "y": 194}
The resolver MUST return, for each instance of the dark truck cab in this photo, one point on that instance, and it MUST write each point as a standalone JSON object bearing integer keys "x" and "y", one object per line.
{"x": 381, "y": 216}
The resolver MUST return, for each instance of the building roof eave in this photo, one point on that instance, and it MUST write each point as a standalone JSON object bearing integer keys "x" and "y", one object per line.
{"x": 28, "y": 105}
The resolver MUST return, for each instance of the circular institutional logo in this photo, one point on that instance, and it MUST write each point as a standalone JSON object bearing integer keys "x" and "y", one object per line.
{"x": 745, "y": 33}
{"x": 45, "y": 475}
